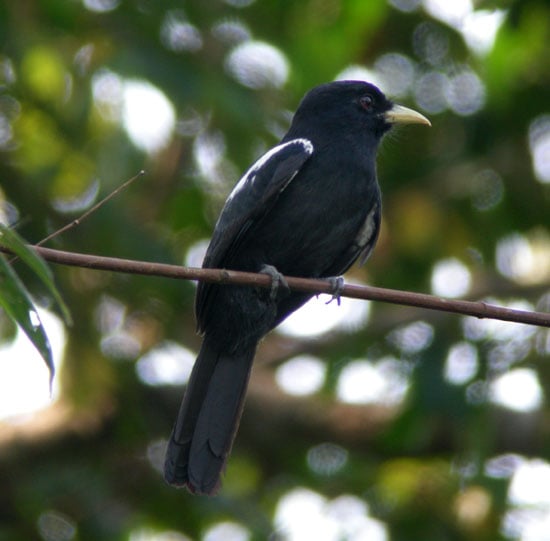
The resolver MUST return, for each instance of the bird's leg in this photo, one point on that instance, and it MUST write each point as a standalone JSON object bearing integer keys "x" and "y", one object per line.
{"x": 337, "y": 283}
{"x": 279, "y": 286}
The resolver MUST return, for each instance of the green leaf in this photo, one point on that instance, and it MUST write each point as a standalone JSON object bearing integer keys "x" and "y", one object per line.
{"x": 10, "y": 239}
{"x": 17, "y": 303}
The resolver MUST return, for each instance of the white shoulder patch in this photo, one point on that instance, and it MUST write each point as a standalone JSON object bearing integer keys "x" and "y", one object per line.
{"x": 250, "y": 175}
{"x": 365, "y": 234}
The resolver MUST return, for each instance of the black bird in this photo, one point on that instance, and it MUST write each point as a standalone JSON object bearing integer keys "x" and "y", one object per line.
{"x": 308, "y": 207}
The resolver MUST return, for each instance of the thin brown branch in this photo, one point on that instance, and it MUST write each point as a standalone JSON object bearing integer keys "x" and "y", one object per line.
{"x": 91, "y": 210}
{"x": 478, "y": 309}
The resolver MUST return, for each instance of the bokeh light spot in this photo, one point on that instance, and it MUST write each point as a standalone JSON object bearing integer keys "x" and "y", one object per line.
{"x": 450, "y": 278}
{"x": 327, "y": 458}
{"x": 518, "y": 390}
{"x": 178, "y": 34}
{"x": 480, "y": 28}
{"x": 476, "y": 392}
{"x": 24, "y": 377}
{"x": 56, "y": 526}
{"x": 487, "y": 190}
{"x": 74, "y": 189}
{"x": 231, "y": 32}
{"x": 461, "y": 364}
{"x": 196, "y": 252}
{"x": 6, "y": 131}
{"x": 453, "y": 13}
{"x": 109, "y": 315}
{"x": 7, "y": 72}
{"x": 465, "y": 93}
{"x": 167, "y": 364}
{"x": 317, "y": 317}
{"x": 529, "y": 518}
{"x": 101, "y": 6}
{"x": 156, "y": 451}
{"x": 43, "y": 71}
{"x": 356, "y": 72}
{"x": 107, "y": 90}
{"x": 256, "y": 64}
{"x": 412, "y": 338}
{"x": 364, "y": 382}
{"x": 227, "y": 531}
{"x": 539, "y": 145}
{"x": 431, "y": 43}
{"x": 406, "y": 6}
{"x": 301, "y": 375}
{"x": 397, "y": 73}
{"x": 190, "y": 123}
{"x": 209, "y": 150}
{"x": 513, "y": 256}
{"x": 503, "y": 466}
{"x": 147, "y": 115}
{"x": 524, "y": 259}
{"x": 530, "y": 484}
{"x": 430, "y": 92}
{"x": 304, "y": 514}
{"x": 472, "y": 506}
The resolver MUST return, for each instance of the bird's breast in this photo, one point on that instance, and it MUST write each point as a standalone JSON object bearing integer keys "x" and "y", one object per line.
{"x": 326, "y": 211}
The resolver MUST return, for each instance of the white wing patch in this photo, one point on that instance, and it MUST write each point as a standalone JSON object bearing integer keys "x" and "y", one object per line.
{"x": 250, "y": 175}
{"x": 365, "y": 235}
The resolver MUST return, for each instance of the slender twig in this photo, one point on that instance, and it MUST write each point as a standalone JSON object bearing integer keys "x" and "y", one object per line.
{"x": 91, "y": 210}
{"x": 478, "y": 309}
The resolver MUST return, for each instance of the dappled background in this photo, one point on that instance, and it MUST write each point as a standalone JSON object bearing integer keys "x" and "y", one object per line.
{"x": 364, "y": 421}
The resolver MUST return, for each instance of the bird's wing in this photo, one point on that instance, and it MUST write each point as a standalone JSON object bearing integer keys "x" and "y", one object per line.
{"x": 253, "y": 196}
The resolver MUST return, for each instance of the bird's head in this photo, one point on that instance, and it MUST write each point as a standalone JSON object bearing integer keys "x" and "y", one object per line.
{"x": 350, "y": 107}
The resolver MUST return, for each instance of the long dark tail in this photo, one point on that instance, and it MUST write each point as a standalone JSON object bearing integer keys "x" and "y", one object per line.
{"x": 208, "y": 419}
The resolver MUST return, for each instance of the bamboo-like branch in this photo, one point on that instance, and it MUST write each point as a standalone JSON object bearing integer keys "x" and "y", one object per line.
{"x": 478, "y": 309}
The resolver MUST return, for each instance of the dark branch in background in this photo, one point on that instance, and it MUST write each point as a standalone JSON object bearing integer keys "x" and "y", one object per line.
{"x": 222, "y": 276}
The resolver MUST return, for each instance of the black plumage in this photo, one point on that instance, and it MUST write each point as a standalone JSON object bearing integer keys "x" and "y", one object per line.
{"x": 309, "y": 207}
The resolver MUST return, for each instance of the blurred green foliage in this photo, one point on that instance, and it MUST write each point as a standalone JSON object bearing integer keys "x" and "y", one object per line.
{"x": 471, "y": 194}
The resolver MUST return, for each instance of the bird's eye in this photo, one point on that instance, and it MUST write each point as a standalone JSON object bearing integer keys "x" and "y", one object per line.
{"x": 366, "y": 102}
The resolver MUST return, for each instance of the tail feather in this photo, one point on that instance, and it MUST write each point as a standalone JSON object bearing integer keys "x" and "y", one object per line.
{"x": 208, "y": 419}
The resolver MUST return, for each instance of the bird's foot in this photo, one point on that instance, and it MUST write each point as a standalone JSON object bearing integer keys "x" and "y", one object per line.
{"x": 337, "y": 283}
{"x": 279, "y": 286}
